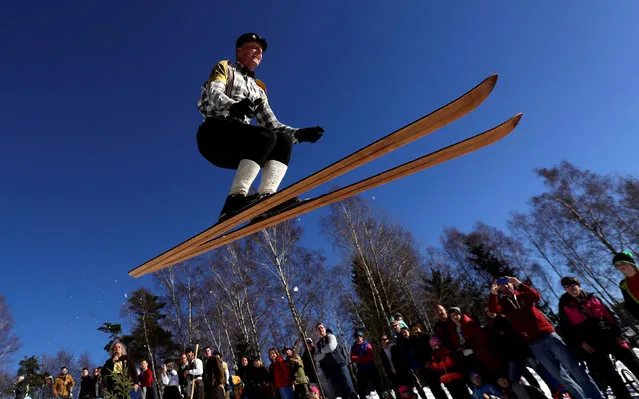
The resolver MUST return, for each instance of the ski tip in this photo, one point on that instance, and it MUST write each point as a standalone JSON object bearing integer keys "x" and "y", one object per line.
{"x": 513, "y": 122}
{"x": 489, "y": 83}
{"x": 517, "y": 118}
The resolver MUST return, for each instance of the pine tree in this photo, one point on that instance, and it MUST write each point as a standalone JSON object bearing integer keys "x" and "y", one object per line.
{"x": 485, "y": 262}
{"x": 149, "y": 338}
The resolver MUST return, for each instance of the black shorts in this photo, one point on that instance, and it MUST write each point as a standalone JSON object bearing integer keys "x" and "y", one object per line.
{"x": 225, "y": 142}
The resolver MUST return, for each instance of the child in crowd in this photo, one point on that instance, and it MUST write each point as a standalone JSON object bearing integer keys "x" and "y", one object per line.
{"x": 481, "y": 390}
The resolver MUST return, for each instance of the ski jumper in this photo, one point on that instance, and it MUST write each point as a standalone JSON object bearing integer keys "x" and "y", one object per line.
{"x": 225, "y": 141}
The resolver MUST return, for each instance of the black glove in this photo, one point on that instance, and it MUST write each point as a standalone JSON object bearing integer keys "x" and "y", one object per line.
{"x": 244, "y": 108}
{"x": 309, "y": 134}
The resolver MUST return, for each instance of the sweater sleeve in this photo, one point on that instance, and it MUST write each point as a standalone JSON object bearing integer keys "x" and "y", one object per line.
{"x": 332, "y": 344}
{"x": 368, "y": 357}
{"x": 198, "y": 370}
{"x": 528, "y": 293}
{"x": 266, "y": 118}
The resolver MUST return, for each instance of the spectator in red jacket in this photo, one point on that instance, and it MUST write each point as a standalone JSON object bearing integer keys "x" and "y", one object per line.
{"x": 485, "y": 359}
{"x": 593, "y": 330}
{"x": 518, "y": 303}
{"x": 367, "y": 375}
{"x": 445, "y": 329}
{"x": 450, "y": 374}
{"x": 281, "y": 374}
{"x": 146, "y": 381}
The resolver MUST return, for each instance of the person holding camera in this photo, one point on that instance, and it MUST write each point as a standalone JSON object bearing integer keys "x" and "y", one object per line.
{"x": 518, "y": 303}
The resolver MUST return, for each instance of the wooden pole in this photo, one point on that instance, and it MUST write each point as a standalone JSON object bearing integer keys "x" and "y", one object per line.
{"x": 197, "y": 346}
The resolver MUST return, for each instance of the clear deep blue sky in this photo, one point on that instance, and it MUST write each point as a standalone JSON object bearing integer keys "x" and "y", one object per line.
{"x": 100, "y": 171}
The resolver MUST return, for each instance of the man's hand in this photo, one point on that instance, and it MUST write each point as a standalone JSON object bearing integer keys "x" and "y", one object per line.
{"x": 244, "y": 108}
{"x": 309, "y": 134}
{"x": 587, "y": 347}
{"x": 494, "y": 288}
{"x": 514, "y": 281}
{"x": 621, "y": 341}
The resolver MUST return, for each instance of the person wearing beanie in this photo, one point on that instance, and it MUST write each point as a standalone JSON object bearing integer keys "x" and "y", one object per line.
{"x": 454, "y": 309}
{"x": 400, "y": 319}
{"x": 300, "y": 380}
{"x": 626, "y": 264}
{"x": 230, "y": 99}
{"x": 593, "y": 333}
{"x": 364, "y": 358}
{"x": 482, "y": 389}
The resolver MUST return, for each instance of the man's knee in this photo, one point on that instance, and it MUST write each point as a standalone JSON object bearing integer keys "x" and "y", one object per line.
{"x": 285, "y": 140}
{"x": 283, "y": 148}
{"x": 266, "y": 139}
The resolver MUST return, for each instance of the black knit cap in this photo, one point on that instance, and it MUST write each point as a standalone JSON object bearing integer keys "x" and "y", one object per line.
{"x": 624, "y": 257}
{"x": 250, "y": 37}
{"x": 570, "y": 280}
{"x": 454, "y": 309}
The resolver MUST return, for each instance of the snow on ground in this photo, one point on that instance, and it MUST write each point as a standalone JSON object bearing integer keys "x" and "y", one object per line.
{"x": 544, "y": 387}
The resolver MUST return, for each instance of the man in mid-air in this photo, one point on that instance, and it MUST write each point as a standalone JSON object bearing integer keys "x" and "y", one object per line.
{"x": 230, "y": 99}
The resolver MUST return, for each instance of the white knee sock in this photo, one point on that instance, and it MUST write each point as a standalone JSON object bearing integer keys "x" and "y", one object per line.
{"x": 272, "y": 175}
{"x": 247, "y": 171}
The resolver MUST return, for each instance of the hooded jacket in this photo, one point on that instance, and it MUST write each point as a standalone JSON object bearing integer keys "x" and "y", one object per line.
{"x": 586, "y": 319}
{"x": 522, "y": 312}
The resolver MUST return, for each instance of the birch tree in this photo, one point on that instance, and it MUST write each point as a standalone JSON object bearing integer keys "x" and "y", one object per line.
{"x": 292, "y": 271}
{"x": 179, "y": 288}
{"x": 9, "y": 342}
{"x": 383, "y": 261}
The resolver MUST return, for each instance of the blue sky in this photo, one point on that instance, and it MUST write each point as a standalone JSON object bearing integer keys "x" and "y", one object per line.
{"x": 100, "y": 167}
